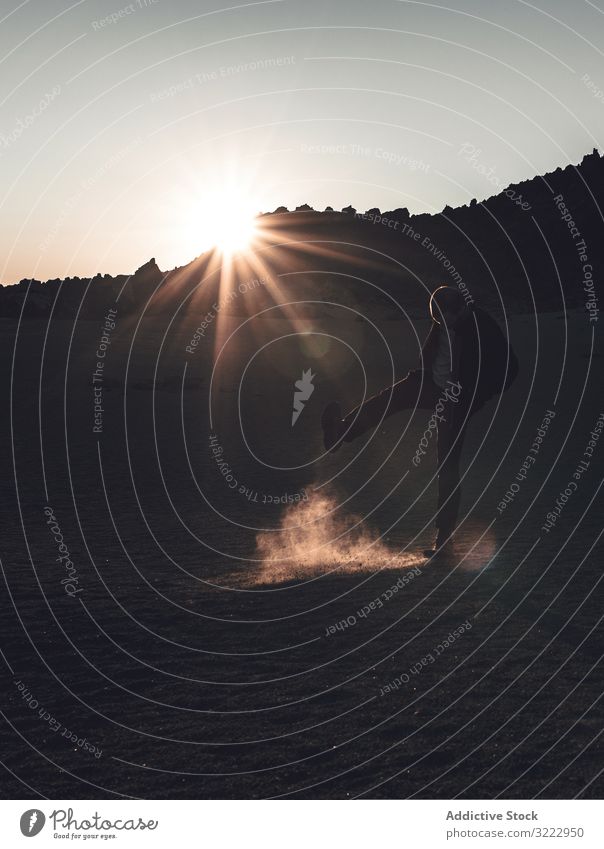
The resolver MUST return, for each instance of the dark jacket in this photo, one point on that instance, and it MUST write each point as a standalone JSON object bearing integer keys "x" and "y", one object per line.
{"x": 483, "y": 360}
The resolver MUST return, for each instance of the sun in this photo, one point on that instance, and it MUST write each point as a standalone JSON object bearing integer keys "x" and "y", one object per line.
{"x": 225, "y": 220}
{"x": 235, "y": 226}
{"x": 215, "y": 210}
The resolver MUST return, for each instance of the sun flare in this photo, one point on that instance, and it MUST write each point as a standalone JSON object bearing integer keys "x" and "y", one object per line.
{"x": 229, "y": 222}
{"x": 225, "y": 220}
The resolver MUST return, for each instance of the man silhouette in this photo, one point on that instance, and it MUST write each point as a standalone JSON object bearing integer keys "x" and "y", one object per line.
{"x": 465, "y": 361}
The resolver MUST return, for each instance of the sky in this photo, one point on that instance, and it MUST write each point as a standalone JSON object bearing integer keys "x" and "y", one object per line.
{"x": 128, "y": 129}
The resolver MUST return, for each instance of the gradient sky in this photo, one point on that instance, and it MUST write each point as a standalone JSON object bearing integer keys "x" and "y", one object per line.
{"x": 289, "y": 101}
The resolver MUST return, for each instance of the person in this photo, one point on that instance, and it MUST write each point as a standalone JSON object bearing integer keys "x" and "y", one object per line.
{"x": 465, "y": 361}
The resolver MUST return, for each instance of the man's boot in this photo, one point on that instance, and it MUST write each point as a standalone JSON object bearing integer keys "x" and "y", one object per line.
{"x": 443, "y": 544}
{"x": 333, "y": 426}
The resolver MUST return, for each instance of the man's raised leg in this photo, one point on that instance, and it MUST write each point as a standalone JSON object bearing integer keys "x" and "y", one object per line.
{"x": 415, "y": 390}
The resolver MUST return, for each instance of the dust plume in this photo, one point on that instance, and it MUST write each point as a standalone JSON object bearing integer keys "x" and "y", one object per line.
{"x": 316, "y": 538}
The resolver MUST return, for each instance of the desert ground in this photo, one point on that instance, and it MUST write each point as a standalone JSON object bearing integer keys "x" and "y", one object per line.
{"x": 225, "y": 642}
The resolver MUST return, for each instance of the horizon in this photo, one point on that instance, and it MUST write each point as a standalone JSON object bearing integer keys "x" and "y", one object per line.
{"x": 283, "y": 210}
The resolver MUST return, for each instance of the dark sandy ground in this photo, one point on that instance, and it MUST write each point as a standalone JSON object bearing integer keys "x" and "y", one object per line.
{"x": 200, "y": 672}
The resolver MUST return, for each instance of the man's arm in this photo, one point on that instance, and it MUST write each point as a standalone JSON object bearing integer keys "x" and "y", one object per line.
{"x": 429, "y": 348}
{"x": 456, "y": 356}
